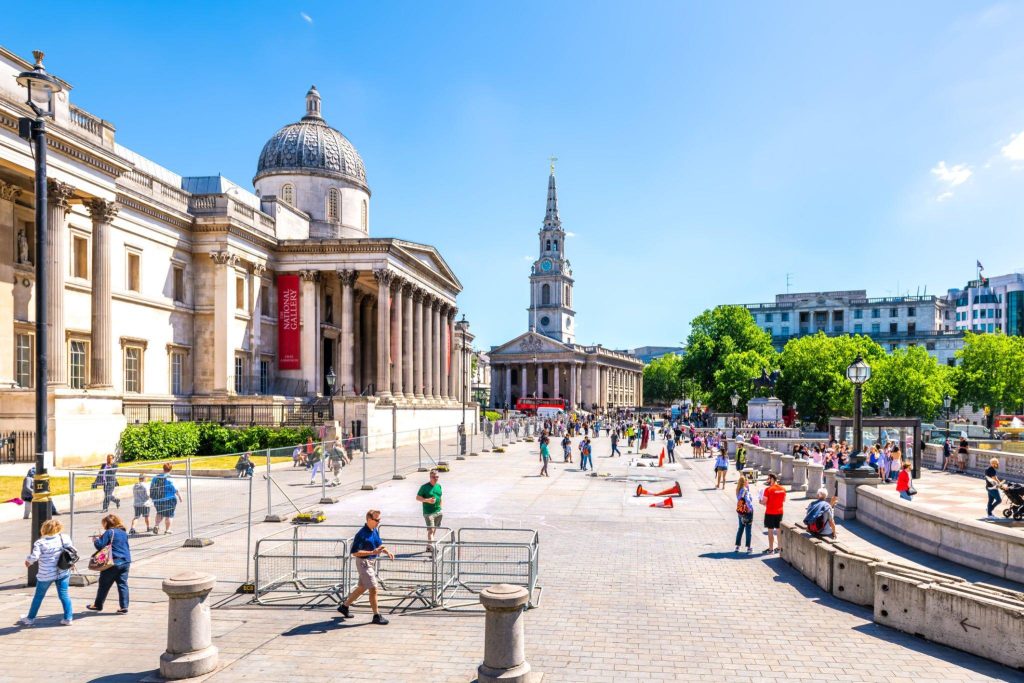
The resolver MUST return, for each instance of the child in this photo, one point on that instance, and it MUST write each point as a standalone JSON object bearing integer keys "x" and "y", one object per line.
{"x": 140, "y": 492}
{"x": 566, "y": 449}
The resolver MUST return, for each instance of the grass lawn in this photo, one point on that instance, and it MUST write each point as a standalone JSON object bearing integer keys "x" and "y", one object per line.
{"x": 209, "y": 462}
{"x": 10, "y": 487}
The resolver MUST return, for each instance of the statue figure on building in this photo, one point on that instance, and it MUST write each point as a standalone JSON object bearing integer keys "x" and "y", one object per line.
{"x": 23, "y": 248}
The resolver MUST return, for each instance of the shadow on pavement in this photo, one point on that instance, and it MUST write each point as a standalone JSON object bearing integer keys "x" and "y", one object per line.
{"x": 125, "y": 677}
{"x": 732, "y": 555}
{"x": 321, "y": 627}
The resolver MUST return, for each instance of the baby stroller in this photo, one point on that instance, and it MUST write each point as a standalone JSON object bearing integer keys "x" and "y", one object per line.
{"x": 1015, "y": 494}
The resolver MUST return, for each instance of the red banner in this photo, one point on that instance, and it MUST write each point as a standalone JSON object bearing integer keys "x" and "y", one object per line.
{"x": 289, "y": 328}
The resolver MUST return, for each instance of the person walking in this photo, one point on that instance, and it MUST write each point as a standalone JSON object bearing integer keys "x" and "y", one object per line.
{"x": 316, "y": 458}
{"x": 992, "y": 484}
{"x": 962, "y": 453}
{"x": 140, "y": 501}
{"x": 721, "y": 467}
{"x": 585, "y": 455}
{"x": 741, "y": 457}
{"x": 430, "y": 495}
{"x": 773, "y": 499}
{"x": 107, "y": 478}
{"x": 27, "y": 485}
{"x": 566, "y": 448}
{"x": 165, "y": 499}
{"x": 545, "y": 454}
{"x": 947, "y": 453}
{"x": 615, "y": 444}
{"x": 744, "y": 512}
{"x": 366, "y": 548}
{"x": 114, "y": 536}
{"x": 903, "y": 482}
{"x": 670, "y": 448}
{"x": 47, "y": 551}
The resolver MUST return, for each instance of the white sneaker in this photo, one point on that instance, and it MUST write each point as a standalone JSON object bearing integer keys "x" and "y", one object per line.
{"x": 65, "y": 622}
{"x": 25, "y": 621}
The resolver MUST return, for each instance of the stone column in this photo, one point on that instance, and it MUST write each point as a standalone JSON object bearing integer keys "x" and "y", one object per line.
{"x": 397, "y": 337}
{"x": 786, "y": 467}
{"x": 443, "y": 360}
{"x": 556, "y": 368}
{"x": 309, "y": 302}
{"x": 504, "y": 642}
{"x": 409, "y": 386}
{"x": 256, "y": 322}
{"x": 508, "y": 385}
{"x": 523, "y": 381}
{"x": 223, "y": 314}
{"x": 102, "y": 347}
{"x": 572, "y": 386}
{"x": 799, "y": 475}
{"x": 417, "y": 342}
{"x": 190, "y": 650}
{"x": 11, "y": 249}
{"x": 384, "y": 278}
{"x": 539, "y": 372}
{"x": 428, "y": 346}
{"x": 435, "y": 349}
{"x": 347, "y": 352}
{"x": 814, "y": 477}
{"x": 366, "y": 340}
{"x": 58, "y": 207}
{"x": 357, "y": 341}
{"x": 453, "y": 357}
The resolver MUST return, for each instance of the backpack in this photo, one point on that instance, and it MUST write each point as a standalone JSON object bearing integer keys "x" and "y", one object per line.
{"x": 742, "y": 508}
{"x": 158, "y": 488}
{"x": 815, "y": 518}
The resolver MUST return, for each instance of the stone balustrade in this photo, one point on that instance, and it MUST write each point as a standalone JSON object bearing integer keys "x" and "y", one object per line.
{"x": 799, "y": 475}
{"x": 786, "y": 469}
{"x": 814, "y": 477}
{"x": 1011, "y": 465}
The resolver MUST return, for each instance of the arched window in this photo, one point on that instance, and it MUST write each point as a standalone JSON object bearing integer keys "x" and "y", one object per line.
{"x": 333, "y": 204}
{"x": 568, "y": 296}
{"x": 556, "y": 245}
{"x": 363, "y": 216}
{"x": 545, "y": 294}
{"x": 288, "y": 194}
{"x": 547, "y": 246}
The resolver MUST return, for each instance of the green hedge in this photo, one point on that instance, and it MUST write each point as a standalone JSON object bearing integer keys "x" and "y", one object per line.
{"x": 163, "y": 440}
{"x": 492, "y": 415}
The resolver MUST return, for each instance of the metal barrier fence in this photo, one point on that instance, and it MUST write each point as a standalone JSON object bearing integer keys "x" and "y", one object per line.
{"x": 481, "y": 557}
{"x": 18, "y": 447}
{"x": 303, "y": 561}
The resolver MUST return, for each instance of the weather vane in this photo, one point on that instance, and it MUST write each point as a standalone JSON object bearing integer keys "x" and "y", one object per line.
{"x": 553, "y": 160}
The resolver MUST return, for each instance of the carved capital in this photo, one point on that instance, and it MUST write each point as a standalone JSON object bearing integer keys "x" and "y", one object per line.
{"x": 258, "y": 269}
{"x": 397, "y": 282}
{"x": 101, "y": 210}
{"x": 348, "y": 277}
{"x": 452, "y": 312}
{"x": 383, "y": 276}
{"x": 408, "y": 288}
{"x": 224, "y": 258}
{"x": 58, "y": 194}
{"x": 9, "y": 192}
{"x": 418, "y": 295}
{"x": 435, "y": 303}
{"x": 309, "y": 275}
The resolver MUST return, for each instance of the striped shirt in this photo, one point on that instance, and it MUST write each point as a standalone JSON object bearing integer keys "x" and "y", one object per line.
{"x": 47, "y": 551}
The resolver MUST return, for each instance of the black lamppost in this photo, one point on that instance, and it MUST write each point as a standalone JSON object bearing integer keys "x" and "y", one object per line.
{"x": 947, "y": 401}
{"x": 463, "y": 324}
{"x": 858, "y": 373}
{"x": 885, "y": 406}
{"x": 735, "y": 398}
{"x": 331, "y": 380}
{"x": 42, "y": 90}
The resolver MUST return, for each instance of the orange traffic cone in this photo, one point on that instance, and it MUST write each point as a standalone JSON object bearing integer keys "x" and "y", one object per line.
{"x": 667, "y": 503}
{"x": 674, "y": 490}
{"x": 661, "y": 458}
{"x": 641, "y": 491}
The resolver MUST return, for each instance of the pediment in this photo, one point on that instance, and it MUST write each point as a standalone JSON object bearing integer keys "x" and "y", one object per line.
{"x": 530, "y": 343}
{"x": 428, "y": 257}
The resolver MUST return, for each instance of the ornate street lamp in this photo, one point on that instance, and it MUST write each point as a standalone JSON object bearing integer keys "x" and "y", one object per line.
{"x": 331, "y": 380}
{"x": 858, "y": 373}
{"x": 885, "y": 406}
{"x": 42, "y": 92}
{"x": 947, "y": 401}
{"x": 463, "y": 325}
{"x": 735, "y": 398}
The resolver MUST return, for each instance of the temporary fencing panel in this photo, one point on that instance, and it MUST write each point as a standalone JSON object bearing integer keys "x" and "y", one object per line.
{"x": 307, "y": 562}
{"x": 483, "y": 557}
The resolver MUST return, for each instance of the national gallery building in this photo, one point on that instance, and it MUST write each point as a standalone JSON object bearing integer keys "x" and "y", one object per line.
{"x": 177, "y": 297}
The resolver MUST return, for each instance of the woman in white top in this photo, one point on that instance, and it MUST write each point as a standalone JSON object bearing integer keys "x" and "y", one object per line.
{"x": 46, "y": 551}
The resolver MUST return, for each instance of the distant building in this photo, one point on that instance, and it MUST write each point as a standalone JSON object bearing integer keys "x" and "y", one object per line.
{"x": 480, "y": 379}
{"x": 894, "y": 322}
{"x": 649, "y": 353}
{"x": 991, "y": 304}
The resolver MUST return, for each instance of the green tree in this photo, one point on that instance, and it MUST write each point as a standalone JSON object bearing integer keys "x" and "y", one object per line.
{"x": 714, "y": 335}
{"x": 663, "y": 382}
{"x": 814, "y": 374}
{"x": 912, "y": 380}
{"x": 991, "y": 372}
{"x": 734, "y": 378}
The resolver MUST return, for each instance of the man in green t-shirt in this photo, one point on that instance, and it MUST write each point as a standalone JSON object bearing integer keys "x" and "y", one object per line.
{"x": 430, "y": 495}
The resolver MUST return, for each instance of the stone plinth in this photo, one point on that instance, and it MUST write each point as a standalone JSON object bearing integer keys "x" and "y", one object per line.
{"x": 504, "y": 646}
{"x": 799, "y": 474}
{"x": 190, "y": 651}
{"x": 830, "y": 482}
{"x": 846, "y": 508}
{"x": 814, "y": 478}
{"x": 786, "y": 470}
{"x": 775, "y": 462}
{"x": 764, "y": 409}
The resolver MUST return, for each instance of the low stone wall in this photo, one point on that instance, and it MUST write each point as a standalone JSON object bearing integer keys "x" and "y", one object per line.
{"x": 987, "y": 547}
{"x": 974, "y": 617}
{"x": 1011, "y": 465}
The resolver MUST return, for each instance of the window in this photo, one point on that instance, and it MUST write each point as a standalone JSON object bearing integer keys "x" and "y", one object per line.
{"x": 264, "y": 376}
{"x": 893, "y": 328}
{"x": 177, "y": 371}
{"x": 77, "y": 364}
{"x": 79, "y": 257}
{"x": 769, "y": 331}
{"x": 785, "y": 317}
{"x": 785, "y": 330}
{"x": 24, "y": 370}
{"x": 240, "y": 293}
{"x": 911, "y": 329}
{"x": 547, "y": 245}
{"x": 178, "y": 283}
{"x": 768, "y": 317}
{"x": 858, "y": 328}
{"x": 363, "y": 221}
{"x": 328, "y": 309}
{"x": 134, "y": 268}
{"x": 333, "y": 203}
{"x": 545, "y": 294}
{"x": 894, "y": 312}
{"x": 556, "y": 245}
{"x": 876, "y": 313}
{"x": 858, "y": 314}
{"x": 265, "y": 300}
{"x": 568, "y": 295}
{"x": 929, "y": 346}
{"x": 911, "y": 311}
{"x": 875, "y": 328}
{"x": 239, "y": 374}
{"x": 133, "y": 369}
{"x": 288, "y": 194}
{"x": 837, "y": 316}
{"x": 805, "y": 317}
{"x": 951, "y": 362}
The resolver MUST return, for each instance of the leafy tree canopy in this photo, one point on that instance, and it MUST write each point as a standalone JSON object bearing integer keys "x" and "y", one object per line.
{"x": 912, "y": 380}
{"x": 991, "y": 372}
{"x": 714, "y": 335}
{"x": 663, "y": 381}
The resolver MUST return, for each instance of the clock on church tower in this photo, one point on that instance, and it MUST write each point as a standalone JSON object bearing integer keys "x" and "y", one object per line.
{"x": 551, "y": 312}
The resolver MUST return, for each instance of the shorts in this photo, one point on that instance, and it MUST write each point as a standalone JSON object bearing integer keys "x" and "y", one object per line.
{"x": 142, "y": 511}
{"x": 434, "y": 520}
{"x": 367, "y": 569}
{"x": 721, "y": 469}
{"x": 772, "y": 521}
{"x": 165, "y": 508}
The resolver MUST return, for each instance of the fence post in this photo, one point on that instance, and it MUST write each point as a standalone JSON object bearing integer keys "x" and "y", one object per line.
{"x": 271, "y": 517}
{"x": 192, "y": 541}
{"x": 394, "y": 456}
{"x": 71, "y": 505}
{"x": 366, "y": 486}
{"x": 248, "y": 586}
{"x": 440, "y": 449}
{"x": 419, "y": 451}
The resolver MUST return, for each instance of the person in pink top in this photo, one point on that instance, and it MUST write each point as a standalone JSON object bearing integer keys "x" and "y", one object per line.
{"x": 756, "y": 439}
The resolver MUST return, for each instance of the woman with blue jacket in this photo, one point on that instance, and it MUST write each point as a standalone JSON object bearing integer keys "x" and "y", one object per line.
{"x": 116, "y": 537}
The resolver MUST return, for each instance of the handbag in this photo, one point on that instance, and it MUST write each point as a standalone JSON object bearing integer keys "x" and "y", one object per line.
{"x": 68, "y": 556}
{"x": 103, "y": 558}
{"x": 911, "y": 491}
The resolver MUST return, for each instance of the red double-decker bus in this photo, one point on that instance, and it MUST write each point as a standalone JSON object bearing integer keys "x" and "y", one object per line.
{"x": 530, "y": 405}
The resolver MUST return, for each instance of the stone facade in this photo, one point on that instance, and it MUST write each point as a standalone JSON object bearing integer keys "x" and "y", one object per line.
{"x": 164, "y": 289}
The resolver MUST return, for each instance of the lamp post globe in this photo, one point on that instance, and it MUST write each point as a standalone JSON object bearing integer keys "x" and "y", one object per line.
{"x": 735, "y": 398}
{"x": 331, "y": 380}
{"x": 42, "y": 89}
{"x": 858, "y": 373}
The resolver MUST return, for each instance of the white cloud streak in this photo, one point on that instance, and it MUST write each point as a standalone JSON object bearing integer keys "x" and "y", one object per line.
{"x": 306, "y": 18}
{"x": 1014, "y": 150}
{"x": 954, "y": 175}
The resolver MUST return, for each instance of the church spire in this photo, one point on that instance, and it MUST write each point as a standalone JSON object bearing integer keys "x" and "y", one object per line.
{"x": 551, "y": 219}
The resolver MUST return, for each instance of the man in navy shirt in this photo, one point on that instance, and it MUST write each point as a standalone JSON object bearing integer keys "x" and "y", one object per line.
{"x": 366, "y": 546}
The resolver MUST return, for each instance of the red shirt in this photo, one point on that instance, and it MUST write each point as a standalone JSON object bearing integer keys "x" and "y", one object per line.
{"x": 774, "y": 497}
{"x": 903, "y": 481}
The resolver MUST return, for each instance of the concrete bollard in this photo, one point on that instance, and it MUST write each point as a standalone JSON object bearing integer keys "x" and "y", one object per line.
{"x": 504, "y": 646}
{"x": 786, "y": 471}
{"x": 190, "y": 651}
{"x": 775, "y": 462}
{"x": 830, "y": 482}
{"x": 799, "y": 474}
{"x": 814, "y": 474}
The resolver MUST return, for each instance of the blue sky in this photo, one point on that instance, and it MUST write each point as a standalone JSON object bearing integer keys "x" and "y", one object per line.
{"x": 705, "y": 149}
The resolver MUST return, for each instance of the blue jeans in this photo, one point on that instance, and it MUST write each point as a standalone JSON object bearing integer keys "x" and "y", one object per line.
{"x": 905, "y": 496}
{"x": 584, "y": 461}
{"x": 108, "y": 577}
{"x": 993, "y": 499}
{"x": 62, "y": 593}
{"x": 746, "y": 522}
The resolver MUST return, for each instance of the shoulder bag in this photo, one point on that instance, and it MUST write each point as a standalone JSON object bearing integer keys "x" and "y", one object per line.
{"x": 68, "y": 556}
{"x": 104, "y": 557}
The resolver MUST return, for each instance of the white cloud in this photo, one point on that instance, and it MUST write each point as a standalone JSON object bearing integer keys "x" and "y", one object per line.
{"x": 569, "y": 233}
{"x": 1015, "y": 149}
{"x": 954, "y": 175}
{"x": 306, "y": 18}
{"x": 527, "y": 258}
{"x": 944, "y": 196}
